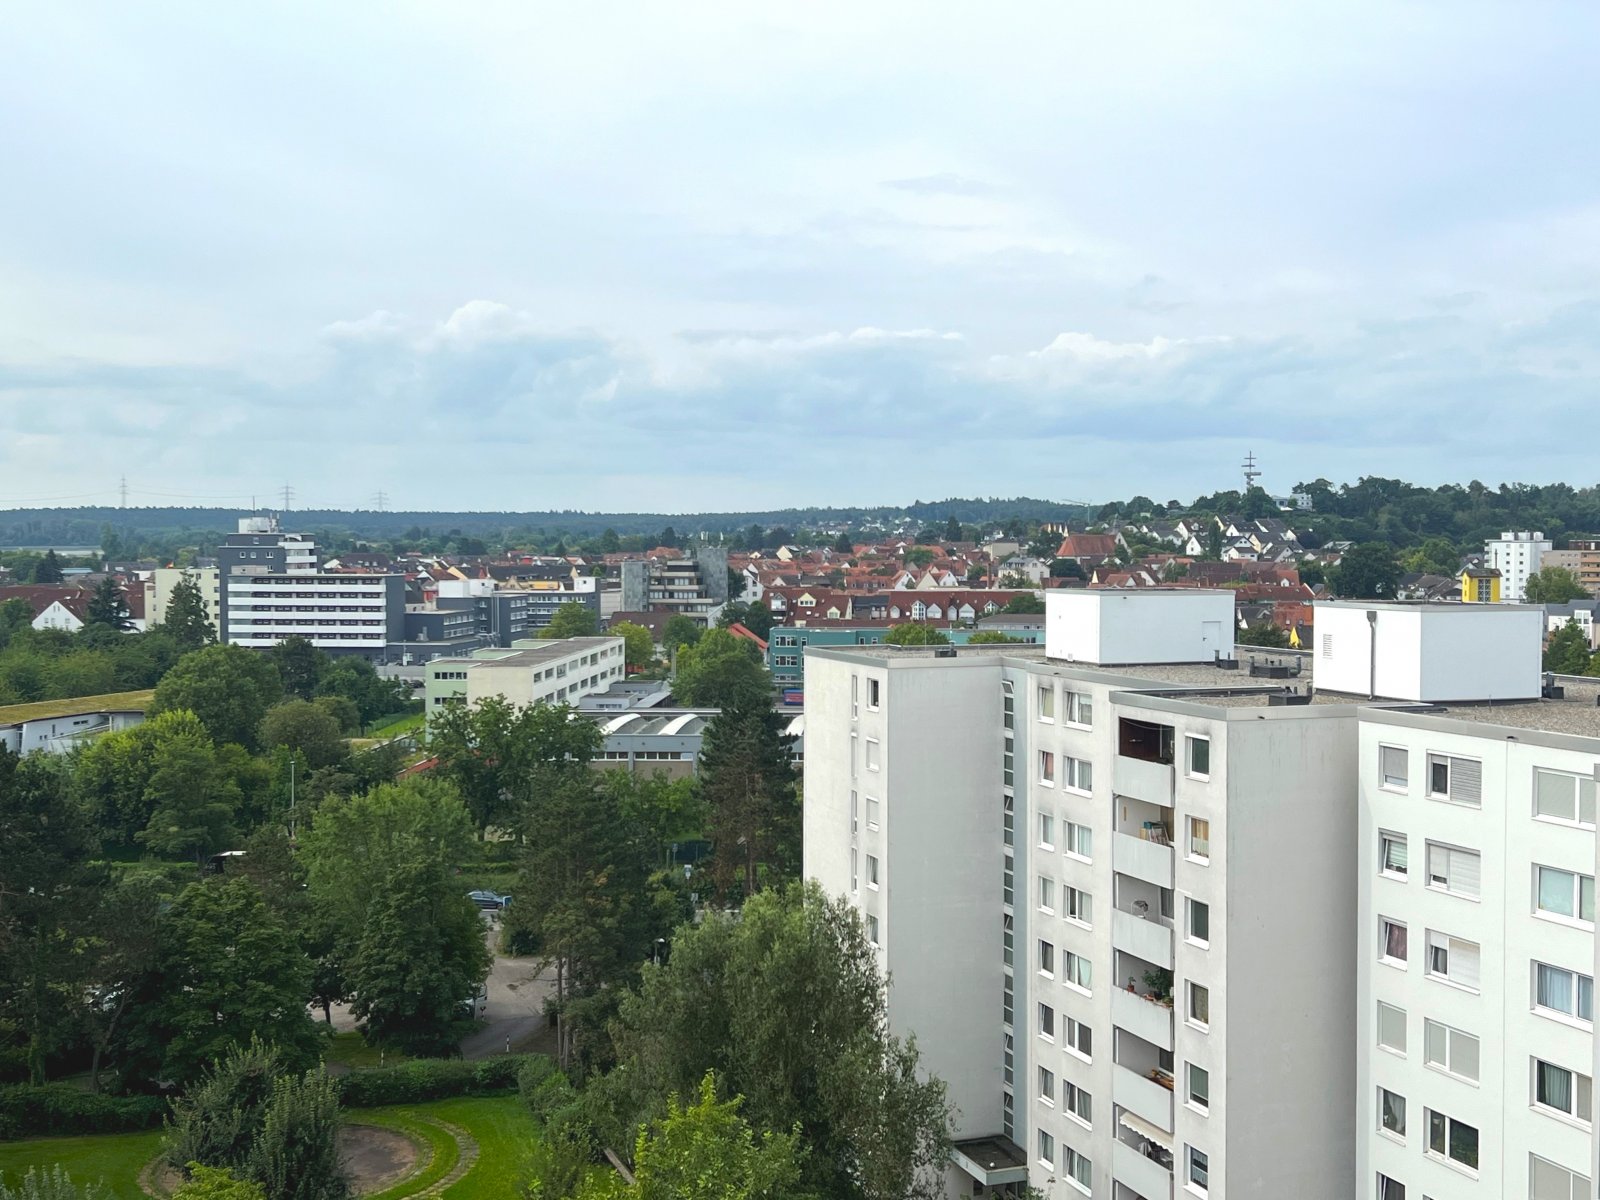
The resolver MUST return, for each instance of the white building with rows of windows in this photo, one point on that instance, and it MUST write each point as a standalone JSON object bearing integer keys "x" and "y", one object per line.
{"x": 1174, "y": 922}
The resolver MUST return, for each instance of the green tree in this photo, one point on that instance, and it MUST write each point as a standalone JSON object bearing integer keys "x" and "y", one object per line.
{"x": 639, "y": 647}
{"x": 991, "y": 637}
{"x": 843, "y": 545}
{"x": 113, "y": 771}
{"x": 344, "y": 712}
{"x": 187, "y": 618}
{"x": 1567, "y": 651}
{"x": 54, "y": 1184}
{"x": 952, "y": 530}
{"x": 1368, "y": 571}
{"x": 228, "y": 688}
{"x": 706, "y": 1151}
{"x": 747, "y": 783}
{"x": 81, "y": 673}
{"x": 1262, "y": 633}
{"x": 108, "y": 607}
{"x": 16, "y": 614}
{"x": 192, "y": 801}
{"x": 300, "y": 666}
{"x": 679, "y": 631}
{"x": 787, "y": 1006}
{"x": 721, "y": 671}
{"x": 1553, "y": 585}
{"x": 610, "y": 543}
{"x": 48, "y": 569}
{"x": 356, "y": 680}
{"x": 217, "y": 1121}
{"x": 296, "y": 1154}
{"x": 1027, "y": 602}
{"x": 122, "y": 948}
{"x": 572, "y": 619}
{"x": 304, "y": 728}
{"x": 1436, "y": 556}
{"x": 217, "y": 1183}
{"x": 913, "y": 634}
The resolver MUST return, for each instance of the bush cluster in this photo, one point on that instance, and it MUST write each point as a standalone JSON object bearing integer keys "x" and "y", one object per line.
{"x": 432, "y": 1079}
{"x": 57, "y": 1108}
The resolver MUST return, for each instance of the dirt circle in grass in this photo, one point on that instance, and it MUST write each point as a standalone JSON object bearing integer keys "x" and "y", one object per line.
{"x": 375, "y": 1158}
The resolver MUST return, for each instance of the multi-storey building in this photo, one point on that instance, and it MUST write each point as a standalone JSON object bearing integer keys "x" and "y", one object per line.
{"x": 158, "y": 593}
{"x": 531, "y": 671}
{"x": 1250, "y": 937}
{"x": 1516, "y": 554}
{"x": 695, "y": 585}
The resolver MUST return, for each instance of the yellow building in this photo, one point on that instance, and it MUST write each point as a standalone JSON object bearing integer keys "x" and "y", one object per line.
{"x": 1480, "y": 585}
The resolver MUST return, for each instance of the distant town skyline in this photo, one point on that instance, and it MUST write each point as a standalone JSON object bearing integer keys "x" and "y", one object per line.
{"x": 517, "y": 258}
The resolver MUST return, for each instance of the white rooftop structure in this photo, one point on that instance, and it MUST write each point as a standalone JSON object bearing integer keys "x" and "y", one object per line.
{"x": 1146, "y": 625}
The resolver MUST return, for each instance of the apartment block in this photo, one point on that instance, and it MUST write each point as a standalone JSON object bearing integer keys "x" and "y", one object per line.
{"x": 158, "y": 593}
{"x": 695, "y": 585}
{"x": 1516, "y": 554}
{"x": 531, "y": 671}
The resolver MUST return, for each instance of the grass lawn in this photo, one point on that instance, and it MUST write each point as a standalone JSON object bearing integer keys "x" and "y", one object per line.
{"x": 352, "y": 1051}
{"x": 505, "y": 1131}
{"x": 116, "y": 1158}
{"x": 395, "y": 724}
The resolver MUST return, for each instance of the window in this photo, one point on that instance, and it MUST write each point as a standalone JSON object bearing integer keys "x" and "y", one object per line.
{"x": 855, "y": 805}
{"x": 1047, "y": 894}
{"x": 1391, "y": 1027}
{"x": 873, "y": 761}
{"x": 1558, "y": 796}
{"x": 1007, "y": 893}
{"x": 1565, "y": 893}
{"x": 1199, "y": 922}
{"x": 1456, "y": 779}
{"x": 1392, "y": 767}
{"x": 1449, "y": 1138}
{"x": 1047, "y": 958}
{"x": 873, "y": 693}
{"x": 855, "y": 741}
{"x": 1077, "y": 773}
{"x": 1080, "y": 841}
{"x": 872, "y": 813}
{"x": 1047, "y": 1021}
{"x": 1199, "y": 757}
{"x": 1199, "y": 1170}
{"x": 872, "y": 870}
{"x": 1077, "y": 1102}
{"x": 1391, "y": 941}
{"x": 1079, "y": 970}
{"x": 1556, "y": 989}
{"x": 1547, "y": 1181}
{"x": 1454, "y": 870}
{"x": 1392, "y": 1112}
{"x": 1080, "y": 708}
{"x": 872, "y": 929}
{"x": 1080, "y": 1039}
{"x": 855, "y": 882}
{"x": 1047, "y": 1085}
{"x": 1079, "y": 1170}
{"x": 1079, "y": 905}
{"x": 1047, "y": 831}
{"x": 1563, "y": 1091}
{"x": 1389, "y": 1189}
{"x": 1047, "y": 1149}
{"x": 1450, "y": 1050}
{"x": 1392, "y": 855}
{"x": 1047, "y": 702}
{"x": 1199, "y": 1004}
{"x": 1454, "y": 959}
{"x": 1200, "y": 838}
{"x": 1199, "y": 1087}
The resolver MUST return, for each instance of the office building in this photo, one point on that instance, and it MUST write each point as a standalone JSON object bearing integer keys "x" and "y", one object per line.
{"x": 557, "y": 671}
{"x": 695, "y": 585}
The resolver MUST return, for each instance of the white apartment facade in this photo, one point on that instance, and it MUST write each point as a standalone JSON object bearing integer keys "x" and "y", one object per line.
{"x": 342, "y": 614}
{"x": 1517, "y": 554}
{"x": 530, "y": 671}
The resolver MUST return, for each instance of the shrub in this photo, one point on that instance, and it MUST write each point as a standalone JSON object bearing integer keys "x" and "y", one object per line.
{"x": 424, "y": 1079}
{"x": 217, "y": 1123}
{"x": 296, "y": 1155}
{"x": 55, "y": 1184}
{"x": 552, "y": 1095}
{"x": 532, "y": 1075}
{"x": 57, "y": 1108}
{"x": 217, "y": 1183}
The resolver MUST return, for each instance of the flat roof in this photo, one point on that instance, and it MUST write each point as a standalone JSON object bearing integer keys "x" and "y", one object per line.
{"x": 77, "y": 706}
{"x": 550, "y": 650}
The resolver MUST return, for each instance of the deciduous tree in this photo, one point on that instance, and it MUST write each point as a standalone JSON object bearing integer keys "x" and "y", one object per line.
{"x": 916, "y": 634}
{"x": 572, "y": 619}
{"x": 639, "y": 647}
{"x": 721, "y": 671}
{"x": 1553, "y": 585}
{"x": 228, "y": 688}
{"x": 1567, "y": 651}
{"x": 305, "y": 728}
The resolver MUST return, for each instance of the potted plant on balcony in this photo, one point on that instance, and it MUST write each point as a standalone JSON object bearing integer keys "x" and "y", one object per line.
{"x": 1159, "y": 981}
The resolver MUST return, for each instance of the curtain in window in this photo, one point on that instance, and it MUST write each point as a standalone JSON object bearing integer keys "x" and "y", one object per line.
{"x": 1394, "y": 941}
{"x": 1395, "y": 855}
{"x": 1554, "y": 1086}
{"x": 1394, "y": 1112}
{"x": 1554, "y": 989}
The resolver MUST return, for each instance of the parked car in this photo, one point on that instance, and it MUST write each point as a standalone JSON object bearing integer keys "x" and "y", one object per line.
{"x": 489, "y": 901}
{"x": 476, "y": 1006}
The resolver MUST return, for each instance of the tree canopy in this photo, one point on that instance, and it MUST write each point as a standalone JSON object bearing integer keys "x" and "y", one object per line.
{"x": 572, "y": 619}
{"x": 1553, "y": 585}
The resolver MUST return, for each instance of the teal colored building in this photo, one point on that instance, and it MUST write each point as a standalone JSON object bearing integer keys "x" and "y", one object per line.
{"x": 786, "y": 644}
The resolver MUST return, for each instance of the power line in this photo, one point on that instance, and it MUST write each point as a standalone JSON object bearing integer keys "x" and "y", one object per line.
{"x": 124, "y": 492}
{"x": 380, "y": 501}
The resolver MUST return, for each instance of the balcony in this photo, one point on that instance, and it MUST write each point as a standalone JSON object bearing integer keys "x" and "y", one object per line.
{"x": 1142, "y": 859}
{"x": 1147, "y": 936}
{"x": 1148, "y": 1019}
{"x": 1146, "y": 1097}
{"x": 1143, "y": 780}
{"x": 1140, "y": 1173}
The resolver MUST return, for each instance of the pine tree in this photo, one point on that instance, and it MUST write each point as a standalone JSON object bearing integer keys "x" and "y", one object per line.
{"x": 747, "y": 781}
{"x": 109, "y": 607}
{"x": 48, "y": 569}
{"x": 187, "y": 620}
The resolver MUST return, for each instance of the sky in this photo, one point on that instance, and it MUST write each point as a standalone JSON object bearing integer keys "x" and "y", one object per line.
{"x": 695, "y": 256}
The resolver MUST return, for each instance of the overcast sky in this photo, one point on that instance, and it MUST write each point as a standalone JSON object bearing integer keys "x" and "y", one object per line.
{"x": 686, "y": 256}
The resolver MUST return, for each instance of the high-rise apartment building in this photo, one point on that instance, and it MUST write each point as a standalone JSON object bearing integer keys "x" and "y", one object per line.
{"x": 1127, "y": 893}
{"x": 1516, "y": 554}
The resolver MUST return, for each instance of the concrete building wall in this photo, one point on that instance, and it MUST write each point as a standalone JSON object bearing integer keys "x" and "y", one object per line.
{"x": 1143, "y": 626}
{"x": 158, "y": 593}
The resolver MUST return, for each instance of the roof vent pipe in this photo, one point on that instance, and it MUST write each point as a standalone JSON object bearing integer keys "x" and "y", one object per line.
{"x": 1372, "y": 654}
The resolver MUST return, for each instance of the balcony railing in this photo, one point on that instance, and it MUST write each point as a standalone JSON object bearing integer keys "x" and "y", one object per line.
{"x": 1136, "y": 1170}
{"x": 1145, "y": 935}
{"x": 1150, "y": 1098}
{"x": 1142, "y": 859}
{"x": 1142, "y": 780}
{"x": 1145, "y": 1018}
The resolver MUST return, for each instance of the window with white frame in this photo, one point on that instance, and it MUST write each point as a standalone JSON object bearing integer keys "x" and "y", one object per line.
{"x": 874, "y": 760}
{"x": 872, "y": 813}
{"x": 1391, "y": 1027}
{"x": 1453, "y": 959}
{"x": 1558, "y": 990}
{"x": 855, "y": 881}
{"x": 1390, "y": 1189}
{"x": 872, "y": 929}
{"x": 1200, "y": 839}
{"x": 1199, "y": 1004}
{"x": 1392, "y": 767}
{"x": 1199, "y": 757}
{"x": 1047, "y": 831}
{"x": 872, "y": 870}
{"x": 1047, "y": 767}
{"x": 1459, "y": 780}
{"x": 1454, "y": 870}
{"x": 1047, "y": 893}
{"x": 874, "y": 693}
{"x": 1452, "y": 1139}
{"x": 1199, "y": 1171}
{"x": 1199, "y": 1087}
{"x": 1558, "y": 796}
{"x": 1080, "y": 1039}
{"x": 1047, "y": 1150}
{"x": 1392, "y": 1112}
{"x": 1079, "y": 971}
{"x": 1450, "y": 1050}
{"x": 855, "y": 811}
{"x": 1047, "y": 702}
{"x": 1080, "y": 841}
{"x": 1047, "y": 1085}
{"x": 1079, "y": 905}
{"x": 1047, "y": 1022}
{"x": 1077, "y": 1102}
{"x": 1077, "y": 774}
{"x": 1393, "y": 857}
{"x": 1047, "y": 958}
{"x": 1199, "y": 922}
{"x": 1564, "y": 893}
{"x": 1551, "y": 1181}
{"x": 1392, "y": 938}
{"x": 1560, "y": 1090}
{"x": 1078, "y": 1169}
{"x": 1080, "y": 708}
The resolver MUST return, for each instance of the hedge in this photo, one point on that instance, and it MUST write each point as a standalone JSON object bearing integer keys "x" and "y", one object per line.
{"x": 432, "y": 1079}
{"x": 57, "y": 1108}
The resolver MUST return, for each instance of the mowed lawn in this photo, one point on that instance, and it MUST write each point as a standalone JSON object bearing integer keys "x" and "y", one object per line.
{"x": 116, "y": 1158}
